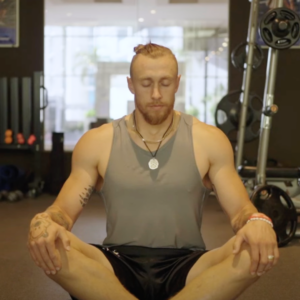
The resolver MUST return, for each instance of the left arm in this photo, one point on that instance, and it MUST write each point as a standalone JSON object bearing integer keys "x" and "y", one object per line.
{"x": 226, "y": 183}
{"x": 235, "y": 201}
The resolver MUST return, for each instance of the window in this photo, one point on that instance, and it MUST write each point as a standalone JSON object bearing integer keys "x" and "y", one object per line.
{"x": 86, "y": 70}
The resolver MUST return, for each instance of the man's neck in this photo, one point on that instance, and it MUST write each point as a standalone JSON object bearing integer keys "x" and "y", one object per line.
{"x": 153, "y": 132}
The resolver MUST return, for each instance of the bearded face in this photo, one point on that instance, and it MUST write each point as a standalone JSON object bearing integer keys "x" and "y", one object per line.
{"x": 154, "y": 84}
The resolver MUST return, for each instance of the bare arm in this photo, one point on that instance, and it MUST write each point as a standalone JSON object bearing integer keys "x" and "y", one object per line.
{"x": 226, "y": 183}
{"x": 80, "y": 185}
{"x": 235, "y": 201}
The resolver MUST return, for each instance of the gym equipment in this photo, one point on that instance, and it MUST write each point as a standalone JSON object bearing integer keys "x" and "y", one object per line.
{"x": 56, "y": 177}
{"x": 283, "y": 213}
{"x": 231, "y": 106}
{"x": 4, "y": 108}
{"x": 14, "y": 196}
{"x": 14, "y": 107}
{"x": 22, "y": 106}
{"x": 276, "y": 204}
{"x": 245, "y": 96}
{"x": 26, "y": 106}
{"x": 3, "y": 195}
{"x": 239, "y": 56}
{"x": 280, "y": 28}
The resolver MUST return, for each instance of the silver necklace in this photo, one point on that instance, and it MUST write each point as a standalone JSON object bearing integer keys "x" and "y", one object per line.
{"x": 153, "y": 162}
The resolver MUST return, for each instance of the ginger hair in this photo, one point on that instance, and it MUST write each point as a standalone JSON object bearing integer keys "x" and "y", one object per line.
{"x": 153, "y": 51}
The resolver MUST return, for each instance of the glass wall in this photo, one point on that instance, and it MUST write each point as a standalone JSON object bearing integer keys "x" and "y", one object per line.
{"x": 86, "y": 70}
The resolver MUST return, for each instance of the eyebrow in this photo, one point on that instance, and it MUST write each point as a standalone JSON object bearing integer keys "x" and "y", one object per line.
{"x": 148, "y": 78}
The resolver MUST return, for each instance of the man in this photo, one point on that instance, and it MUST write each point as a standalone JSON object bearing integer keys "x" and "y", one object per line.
{"x": 155, "y": 168}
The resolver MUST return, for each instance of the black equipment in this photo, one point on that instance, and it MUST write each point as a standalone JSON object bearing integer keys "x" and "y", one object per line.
{"x": 230, "y": 105}
{"x": 280, "y": 28}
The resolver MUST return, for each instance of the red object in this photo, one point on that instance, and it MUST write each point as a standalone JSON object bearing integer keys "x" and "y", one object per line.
{"x": 31, "y": 140}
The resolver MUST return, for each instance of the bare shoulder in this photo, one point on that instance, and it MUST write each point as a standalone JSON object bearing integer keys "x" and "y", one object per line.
{"x": 95, "y": 140}
{"x": 208, "y": 132}
{"x": 215, "y": 142}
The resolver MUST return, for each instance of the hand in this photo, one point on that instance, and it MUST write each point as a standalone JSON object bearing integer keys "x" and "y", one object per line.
{"x": 41, "y": 242}
{"x": 263, "y": 243}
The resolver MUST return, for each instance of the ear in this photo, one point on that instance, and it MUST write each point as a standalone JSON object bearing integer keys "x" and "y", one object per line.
{"x": 130, "y": 85}
{"x": 177, "y": 84}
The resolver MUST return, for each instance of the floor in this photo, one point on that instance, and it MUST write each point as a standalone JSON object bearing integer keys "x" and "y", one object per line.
{"x": 20, "y": 279}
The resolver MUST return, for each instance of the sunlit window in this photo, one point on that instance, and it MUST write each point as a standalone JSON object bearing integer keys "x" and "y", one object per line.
{"x": 86, "y": 70}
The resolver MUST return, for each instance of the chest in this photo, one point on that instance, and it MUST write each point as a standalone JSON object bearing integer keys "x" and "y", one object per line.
{"x": 200, "y": 158}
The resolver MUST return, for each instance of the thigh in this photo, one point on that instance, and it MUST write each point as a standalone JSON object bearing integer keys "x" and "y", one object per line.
{"x": 209, "y": 259}
{"x": 89, "y": 251}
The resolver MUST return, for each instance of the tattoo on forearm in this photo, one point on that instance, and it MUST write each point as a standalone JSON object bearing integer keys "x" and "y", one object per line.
{"x": 39, "y": 227}
{"x": 86, "y": 194}
{"x": 60, "y": 219}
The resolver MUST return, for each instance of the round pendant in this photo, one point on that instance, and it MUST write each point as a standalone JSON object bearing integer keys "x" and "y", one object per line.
{"x": 153, "y": 163}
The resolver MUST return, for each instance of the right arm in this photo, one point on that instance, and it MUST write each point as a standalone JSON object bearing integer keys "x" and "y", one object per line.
{"x": 46, "y": 227}
{"x": 80, "y": 185}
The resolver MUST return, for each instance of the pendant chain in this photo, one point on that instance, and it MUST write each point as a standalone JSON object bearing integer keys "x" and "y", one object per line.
{"x": 144, "y": 141}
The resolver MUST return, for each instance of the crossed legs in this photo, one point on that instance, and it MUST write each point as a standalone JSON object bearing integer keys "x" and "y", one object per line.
{"x": 87, "y": 274}
{"x": 219, "y": 275}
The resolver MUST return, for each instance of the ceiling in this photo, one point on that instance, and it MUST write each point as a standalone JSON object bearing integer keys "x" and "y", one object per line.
{"x": 186, "y": 13}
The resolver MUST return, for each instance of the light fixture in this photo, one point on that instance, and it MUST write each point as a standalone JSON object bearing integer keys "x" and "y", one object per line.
{"x": 221, "y": 49}
{"x": 207, "y": 58}
{"x": 224, "y": 44}
{"x": 153, "y": 12}
{"x": 141, "y": 20}
{"x": 213, "y": 52}
{"x": 226, "y": 40}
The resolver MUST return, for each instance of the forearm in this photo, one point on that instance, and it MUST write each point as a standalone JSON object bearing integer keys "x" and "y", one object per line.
{"x": 59, "y": 217}
{"x": 241, "y": 219}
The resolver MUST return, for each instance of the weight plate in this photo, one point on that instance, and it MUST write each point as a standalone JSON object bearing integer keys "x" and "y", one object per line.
{"x": 239, "y": 56}
{"x": 228, "y": 122}
{"x": 277, "y": 205}
{"x": 280, "y": 28}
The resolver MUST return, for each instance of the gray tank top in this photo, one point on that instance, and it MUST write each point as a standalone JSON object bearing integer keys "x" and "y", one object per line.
{"x": 154, "y": 208}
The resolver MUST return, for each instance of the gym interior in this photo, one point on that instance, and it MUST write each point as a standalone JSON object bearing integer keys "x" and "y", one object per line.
{"x": 63, "y": 68}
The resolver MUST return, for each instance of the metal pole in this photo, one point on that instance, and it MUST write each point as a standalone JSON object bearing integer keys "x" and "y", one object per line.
{"x": 252, "y": 31}
{"x": 268, "y": 110}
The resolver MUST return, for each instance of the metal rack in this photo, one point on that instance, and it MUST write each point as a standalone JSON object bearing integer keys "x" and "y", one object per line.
{"x": 22, "y": 104}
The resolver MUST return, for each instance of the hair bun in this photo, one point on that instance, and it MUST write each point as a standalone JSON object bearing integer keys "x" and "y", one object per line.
{"x": 138, "y": 48}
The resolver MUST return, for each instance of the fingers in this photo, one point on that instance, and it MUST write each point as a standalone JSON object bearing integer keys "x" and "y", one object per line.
{"x": 54, "y": 256}
{"x": 41, "y": 255}
{"x": 273, "y": 262}
{"x": 65, "y": 239}
{"x": 237, "y": 244}
{"x": 254, "y": 251}
{"x": 263, "y": 259}
{"x": 32, "y": 255}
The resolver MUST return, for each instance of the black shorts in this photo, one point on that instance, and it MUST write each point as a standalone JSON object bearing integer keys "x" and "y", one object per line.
{"x": 151, "y": 273}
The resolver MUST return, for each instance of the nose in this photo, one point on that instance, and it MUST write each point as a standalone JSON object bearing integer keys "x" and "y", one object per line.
{"x": 156, "y": 95}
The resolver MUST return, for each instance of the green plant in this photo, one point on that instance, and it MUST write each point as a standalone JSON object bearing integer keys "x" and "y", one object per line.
{"x": 194, "y": 111}
{"x": 91, "y": 113}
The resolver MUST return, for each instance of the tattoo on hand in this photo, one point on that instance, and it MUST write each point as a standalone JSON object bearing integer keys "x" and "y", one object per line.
{"x": 39, "y": 227}
{"x": 85, "y": 196}
{"x": 60, "y": 219}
